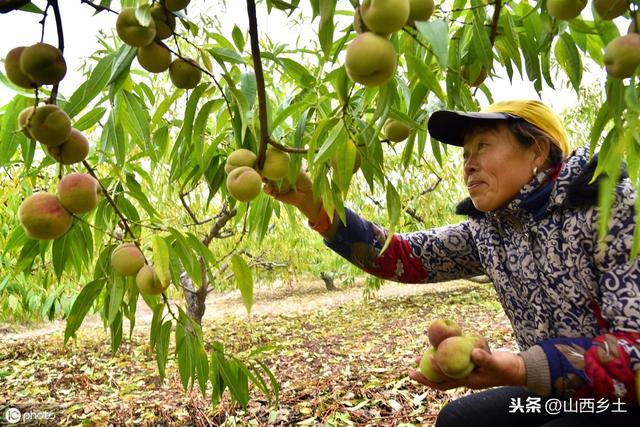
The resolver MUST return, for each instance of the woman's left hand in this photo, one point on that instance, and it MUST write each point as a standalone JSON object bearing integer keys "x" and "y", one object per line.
{"x": 492, "y": 369}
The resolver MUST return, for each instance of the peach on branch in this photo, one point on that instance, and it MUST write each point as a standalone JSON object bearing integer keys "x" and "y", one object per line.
{"x": 165, "y": 22}
{"x": 176, "y": 5}
{"x": 74, "y": 150}
{"x": 79, "y": 192}
{"x": 474, "y": 74}
{"x": 49, "y": 125}
{"x": 154, "y": 58}
{"x": 131, "y": 31}
{"x": 184, "y": 73}
{"x": 127, "y": 259}
{"x": 385, "y": 16}
{"x": 43, "y": 63}
{"x": 276, "y": 164}
{"x": 420, "y": 10}
{"x": 13, "y": 70}
{"x": 441, "y": 329}
{"x": 239, "y": 157}
{"x": 370, "y": 60}
{"x": 395, "y": 130}
{"x": 565, "y": 10}
{"x": 244, "y": 183}
{"x": 622, "y": 56}
{"x": 148, "y": 281}
{"x": 609, "y": 9}
{"x": 23, "y": 121}
{"x": 43, "y": 217}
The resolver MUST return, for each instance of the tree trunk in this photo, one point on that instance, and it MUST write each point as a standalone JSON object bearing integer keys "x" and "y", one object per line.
{"x": 195, "y": 298}
{"x": 328, "y": 281}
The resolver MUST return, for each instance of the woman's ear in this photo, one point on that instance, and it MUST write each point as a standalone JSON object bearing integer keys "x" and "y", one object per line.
{"x": 542, "y": 150}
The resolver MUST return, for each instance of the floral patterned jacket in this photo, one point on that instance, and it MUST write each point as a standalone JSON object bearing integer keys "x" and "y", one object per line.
{"x": 574, "y": 304}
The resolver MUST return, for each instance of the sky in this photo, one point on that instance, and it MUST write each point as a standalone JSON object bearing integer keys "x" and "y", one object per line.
{"x": 81, "y": 24}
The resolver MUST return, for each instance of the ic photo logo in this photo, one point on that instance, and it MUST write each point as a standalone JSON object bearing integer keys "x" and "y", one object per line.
{"x": 12, "y": 415}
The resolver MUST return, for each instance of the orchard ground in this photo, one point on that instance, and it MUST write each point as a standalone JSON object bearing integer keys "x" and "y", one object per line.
{"x": 339, "y": 360}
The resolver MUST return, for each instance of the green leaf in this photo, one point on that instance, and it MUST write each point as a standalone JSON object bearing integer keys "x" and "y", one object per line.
{"x": 184, "y": 351}
{"x": 90, "y": 119}
{"x": 238, "y": 37}
{"x": 325, "y": 30}
{"x": 244, "y": 280}
{"x": 10, "y": 135}
{"x": 122, "y": 62}
{"x": 81, "y": 306}
{"x": 91, "y": 88}
{"x": 116, "y": 333}
{"x": 116, "y": 294}
{"x": 569, "y": 59}
{"x": 225, "y": 55}
{"x": 161, "y": 261}
{"x": 394, "y": 208}
{"x": 437, "y": 33}
{"x": 162, "y": 347}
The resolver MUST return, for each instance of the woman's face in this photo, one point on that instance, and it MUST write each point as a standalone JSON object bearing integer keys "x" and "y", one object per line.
{"x": 496, "y": 167}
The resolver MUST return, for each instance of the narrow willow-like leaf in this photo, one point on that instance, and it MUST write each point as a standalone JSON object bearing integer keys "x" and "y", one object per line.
{"x": 244, "y": 280}
{"x": 437, "y": 33}
{"x": 81, "y": 306}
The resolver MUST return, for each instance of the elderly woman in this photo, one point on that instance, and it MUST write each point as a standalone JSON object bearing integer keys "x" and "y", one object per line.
{"x": 532, "y": 228}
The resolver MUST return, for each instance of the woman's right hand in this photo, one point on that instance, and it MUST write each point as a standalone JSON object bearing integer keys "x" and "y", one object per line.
{"x": 301, "y": 196}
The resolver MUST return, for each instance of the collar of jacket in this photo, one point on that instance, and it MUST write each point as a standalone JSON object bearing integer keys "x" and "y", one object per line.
{"x": 569, "y": 185}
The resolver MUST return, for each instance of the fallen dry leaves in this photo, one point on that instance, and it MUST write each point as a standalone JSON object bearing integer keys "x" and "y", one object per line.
{"x": 337, "y": 366}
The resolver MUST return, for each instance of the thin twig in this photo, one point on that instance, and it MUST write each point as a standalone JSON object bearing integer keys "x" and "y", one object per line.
{"x": 110, "y": 200}
{"x": 58, "y": 18}
{"x": 98, "y": 7}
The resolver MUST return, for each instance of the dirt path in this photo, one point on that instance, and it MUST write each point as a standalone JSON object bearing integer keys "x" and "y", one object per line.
{"x": 301, "y": 299}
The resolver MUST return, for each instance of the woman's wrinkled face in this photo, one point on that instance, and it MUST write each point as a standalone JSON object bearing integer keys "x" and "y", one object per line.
{"x": 496, "y": 167}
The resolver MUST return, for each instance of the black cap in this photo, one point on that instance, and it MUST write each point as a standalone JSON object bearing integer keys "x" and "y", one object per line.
{"x": 449, "y": 127}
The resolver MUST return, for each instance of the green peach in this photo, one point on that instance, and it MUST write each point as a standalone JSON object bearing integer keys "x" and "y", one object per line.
{"x": 239, "y": 157}
{"x": 165, "y": 22}
{"x": 50, "y": 125}
{"x": 43, "y": 217}
{"x": 148, "y": 281}
{"x": 395, "y": 130}
{"x": 184, "y": 73}
{"x": 276, "y": 164}
{"x": 370, "y": 60}
{"x": 385, "y": 16}
{"x": 43, "y": 63}
{"x": 154, "y": 58}
{"x": 74, "y": 150}
{"x": 13, "y": 70}
{"x": 131, "y": 31}
{"x": 244, "y": 183}
{"x": 127, "y": 259}
{"x": 426, "y": 366}
{"x": 79, "y": 192}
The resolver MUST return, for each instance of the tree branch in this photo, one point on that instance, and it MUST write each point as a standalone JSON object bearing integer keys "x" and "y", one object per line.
{"x": 262, "y": 97}
{"x": 494, "y": 22}
{"x": 224, "y": 217}
{"x": 97, "y": 7}
{"x": 110, "y": 200}
{"x": 59, "y": 29}
{"x": 10, "y": 5}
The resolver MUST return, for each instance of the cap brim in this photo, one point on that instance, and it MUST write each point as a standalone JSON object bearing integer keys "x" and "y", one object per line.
{"x": 449, "y": 127}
